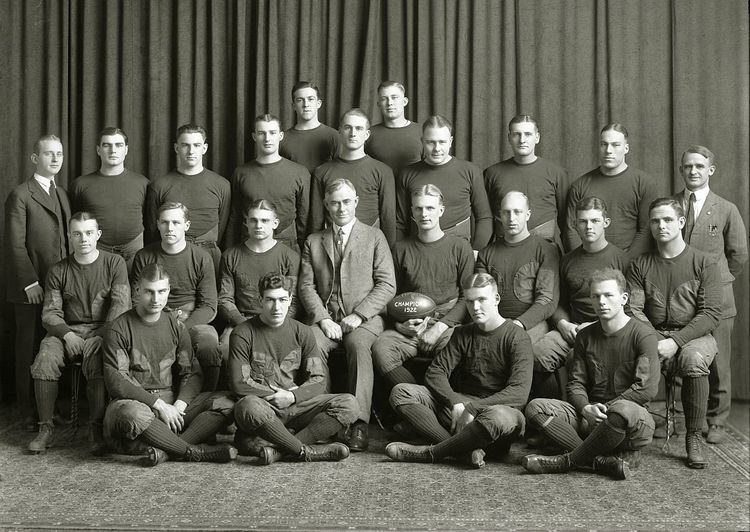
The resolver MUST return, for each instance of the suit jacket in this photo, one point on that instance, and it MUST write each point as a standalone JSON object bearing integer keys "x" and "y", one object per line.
{"x": 720, "y": 232}
{"x": 368, "y": 281}
{"x": 32, "y": 236}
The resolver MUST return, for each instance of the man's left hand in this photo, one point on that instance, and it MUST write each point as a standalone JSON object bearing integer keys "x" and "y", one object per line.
{"x": 350, "y": 322}
{"x": 281, "y": 398}
{"x": 667, "y": 348}
{"x": 429, "y": 339}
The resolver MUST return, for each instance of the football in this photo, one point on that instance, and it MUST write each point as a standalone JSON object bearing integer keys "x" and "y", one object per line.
{"x": 410, "y": 305}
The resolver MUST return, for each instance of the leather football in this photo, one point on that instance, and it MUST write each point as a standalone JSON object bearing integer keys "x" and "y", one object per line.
{"x": 410, "y": 305}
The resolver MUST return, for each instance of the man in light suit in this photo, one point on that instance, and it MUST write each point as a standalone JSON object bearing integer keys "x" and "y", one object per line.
{"x": 346, "y": 279}
{"x": 714, "y": 225}
{"x": 36, "y": 214}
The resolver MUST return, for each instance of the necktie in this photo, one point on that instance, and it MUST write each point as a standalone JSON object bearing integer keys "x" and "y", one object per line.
{"x": 340, "y": 242}
{"x": 52, "y": 189}
{"x": 690, "y": 218}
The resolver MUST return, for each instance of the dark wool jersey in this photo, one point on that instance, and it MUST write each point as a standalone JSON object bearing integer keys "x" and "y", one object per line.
{"x": 285, "y": 183}
{"x": 682, "y": 294}
{"x": 544, "y": 183}
{"x": 495, "y": 365}
{"x": 463, "y": 192}
{"x": 285, "y": 356}
{"x": 116, "y": 201}
{"x": 576, "y": 268}
{"x": 140, "y": 356}
{"x": 192, "y": 279}
{"x": 242, "y": 268}
{"x": 395, "y": 146}
{"x": 627, "y": 195}
{"x": 436, "y": 269}
{"x": 310, "y": 147}
{"x": 85, "y": 293}
{"x": 206, "y": 195}
{"x": 609, "y": 368}
{"x": 375, "y": 187}
{"x": 527, "y": 278}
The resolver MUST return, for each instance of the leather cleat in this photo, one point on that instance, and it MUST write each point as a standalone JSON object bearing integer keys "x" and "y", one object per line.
{"x": 633, "y": 458}
{"x": 43, "y": 439}
{"x": 357, "y": 437}
{"x": 694, "y": 447}
{"x": 328, "y": 452}
{"x": 611, "y": 466}
{"x": 154, "y": 457}
{"x": 541, "y": 464}
{"x": 219, "y": 454}
{"x": 97, "y": 445}
{"x": 474, "y": 459}
{"x": 716, "y": 434}
{"x": 405, "y": 452}
{"x": 248, "y": 445}
{"x": 268, "y": 455}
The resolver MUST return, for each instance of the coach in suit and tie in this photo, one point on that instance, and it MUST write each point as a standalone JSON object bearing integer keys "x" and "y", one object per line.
{"x": 714, "y": 225}
{"x": 36, "y": 217}
{"x": 346, "y": 279}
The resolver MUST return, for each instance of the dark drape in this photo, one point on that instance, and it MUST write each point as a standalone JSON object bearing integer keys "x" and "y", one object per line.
{"x": 675, "y": 73}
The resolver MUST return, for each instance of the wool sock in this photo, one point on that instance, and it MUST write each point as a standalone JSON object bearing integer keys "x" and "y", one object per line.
{"x": 604, "y": 439}
{"x": 96, "y": 394}
{"x": 275, "y": 432}
{"x": 210, "y": 377}
{"x": 694, "y": 401}
{"x": 398, "y": 375}
{"x": 557, "y": 430}
{"x": 158, "y": 434}
{"x": 205, "y": 425}
{"x": 473, "y": 436}
{"x": 424, "y": 420}
{"x": 321, "y": 427}
{"x": 46, "y": 396}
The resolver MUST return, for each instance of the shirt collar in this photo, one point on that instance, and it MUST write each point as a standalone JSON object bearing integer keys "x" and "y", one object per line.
{"x": 700, "y": 195}
{"x": 44, "y": 182}
{"x": 346, "y": 228}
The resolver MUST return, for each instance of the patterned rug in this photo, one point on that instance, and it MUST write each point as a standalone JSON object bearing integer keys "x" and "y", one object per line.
{"x": 67, "y": 489}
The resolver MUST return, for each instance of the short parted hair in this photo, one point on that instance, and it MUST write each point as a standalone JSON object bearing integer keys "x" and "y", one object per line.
{"x": 48, "y": 136}
{"x": 479, "y": 280}
{"x": 388, "y": 83}
{"x": 109, "y": 131}
{"x": 437, "y": 121}
{"x": 356, "y": 111}
{"x": 273, "y": 280}
{"x": 520, "y": 119}
{"x": 700, "y": 150}
{"x": 82, "y": 216}
{"x": 670, "y": 202}
{"x": 302, "y": 84}
{"x": 173, "y": 205}
{"x": 517, "y": 193}
{"x": 428, "y": 190}
{"x": 336, "y": 184}
{"x": 614, "y": 126}
{"x": 266, "y": 205}
{"x": 592, "y": 203}
{"x": 153, "y": 272}
{"x": 609, "y": 274}
{"x": 191, "y": 128}
{"x": 266, "y": 117}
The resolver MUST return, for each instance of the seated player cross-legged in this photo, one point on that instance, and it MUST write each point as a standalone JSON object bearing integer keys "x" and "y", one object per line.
{"x": 615, "y": 374}
{"x": 474, "y": 388}
{"x": 144, "y": 351}
{"x": 277, "y": 370}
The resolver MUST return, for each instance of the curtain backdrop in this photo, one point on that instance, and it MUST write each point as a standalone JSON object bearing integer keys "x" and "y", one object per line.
{"x": 674, "y": 72}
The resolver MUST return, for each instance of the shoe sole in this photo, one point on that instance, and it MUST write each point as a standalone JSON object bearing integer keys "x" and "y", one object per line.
{"x": 697, "y": 465}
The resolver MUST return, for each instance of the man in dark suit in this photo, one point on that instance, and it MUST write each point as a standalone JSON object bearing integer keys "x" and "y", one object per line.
{"x": 346, "y": 279}
{"x": 36, "y": 214}
{"x": 714, "y": 226}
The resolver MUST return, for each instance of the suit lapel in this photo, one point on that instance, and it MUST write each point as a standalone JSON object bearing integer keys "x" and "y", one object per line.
{"x": 328, "y": 243}
{"x": 708, "y": 207}
{"x": 353, "y": 238}
{"x": 40, "y": 196}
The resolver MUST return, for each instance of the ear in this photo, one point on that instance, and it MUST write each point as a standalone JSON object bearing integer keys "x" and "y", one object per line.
{"x": 367, "y": 134}
{"x": 406, "y": 101}
{"x": 176, "y": 148}
{"x": 276, "y": 223}
{"x": 205, "y": 148}
{"x": 681, "y": 221}
{"x": 627, "y": 148}
{"x": 711, "y": 170}
{"x": 606, "y": 223}
{"x": 34, "y": 158}
{"x": 281, "y": 135}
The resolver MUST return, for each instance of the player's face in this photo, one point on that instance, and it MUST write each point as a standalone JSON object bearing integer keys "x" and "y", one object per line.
{"x": 83, "y": 236}
{"x": 49, "y": 159}
{"x": 482, "y": 303}
{"x": 426, "y": 212}
{"x": 591, "y": 224}
{"x": 172, "y": 226}
{"x": 153, "y": 296}
{"x": 353, "y": 132}
{"x": 306, "y": 104}
{"x": 696, "y": 169}
{"x": 275, "y": 306}
{"x": 612, "y": 149}
{"x": 607, "y": 299}
{"x": 190, "y": 149}
{"x": 523, "y": 138}
{"x": 436, "y": 145}
{"x": 267, "y": 136}
{"x": 392, "y": 102}
{"x": 261, "y": 223}
{"x": 514, "y": 214}
{"x": 665, "y": 224}
{"x": 112, "y": 150}
{"x": 342, "y": 205}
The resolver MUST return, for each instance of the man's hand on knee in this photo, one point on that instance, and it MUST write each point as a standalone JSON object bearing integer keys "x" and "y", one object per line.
{"x": 331, "y": 329}
{"x": 350, "y": 322}
{"x": 74, "y": 345}
{"x": 667, "y": 348}
{"x": 281, "y": 398}
{"x": 170, "y": 415}
{"x": 91, "y": 345}
{"x": 594, "y": 413}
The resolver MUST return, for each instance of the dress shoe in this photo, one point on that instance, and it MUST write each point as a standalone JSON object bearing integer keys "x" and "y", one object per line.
{"x": 43, "y": 439}
{"x": 694, "y": 447}
{"x": 328, "y": 452}
{"x": 154, "y": 457}
{"x": 219, "y": 454}
{"x": 405, "y": 452}
{"x": 611, "y": 466}
{"x": 541, "y": 464}
{"x": 357, "y": 437}
{"x": 716, "y": 434}
{"x": 268, "y": 455}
